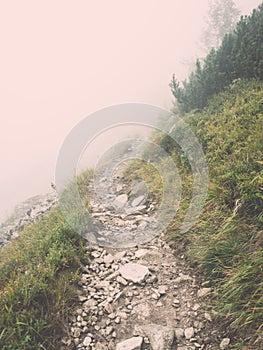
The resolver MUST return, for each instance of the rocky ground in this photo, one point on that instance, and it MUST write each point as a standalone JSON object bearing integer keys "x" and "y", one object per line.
{"x": 138, "y": 296}
{"x": 135, "y": 293}
{"x": 24, "y": 214}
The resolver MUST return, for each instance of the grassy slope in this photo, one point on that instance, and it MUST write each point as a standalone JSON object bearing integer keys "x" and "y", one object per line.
{"x": 38, "y": 276}
{"x": 227, "y": 241}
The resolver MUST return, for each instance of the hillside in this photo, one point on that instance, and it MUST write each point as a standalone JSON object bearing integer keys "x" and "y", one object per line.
{"x": 41, "y": 270}
{"x": 227, "y": 241}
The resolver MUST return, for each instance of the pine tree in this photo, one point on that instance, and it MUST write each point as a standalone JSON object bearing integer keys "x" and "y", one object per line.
{"x": 240, "y": 55}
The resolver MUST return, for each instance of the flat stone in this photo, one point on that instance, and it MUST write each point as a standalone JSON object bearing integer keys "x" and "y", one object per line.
{"x": 133, "y": 343}
{"x": 160, "y": 337}
{"x": 134, "y": 272}
{"x": 134, "y": 210}
{"x": 120, "y": 201}
{"x": 95, "y": 254}
{"x": 120, "y": 255}
{"x": 162, "y": 289}
{"x": 141, "y": 253}
{"x": 179, "y": 333}
{"x": 137, "y": 201}
{"x": 189, "y": 332}
{"x": 108, "y": 259}
{"x": 109, "y": 330}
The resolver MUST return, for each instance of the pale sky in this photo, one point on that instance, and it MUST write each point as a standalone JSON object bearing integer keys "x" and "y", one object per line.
{"x": 62, "y": 60}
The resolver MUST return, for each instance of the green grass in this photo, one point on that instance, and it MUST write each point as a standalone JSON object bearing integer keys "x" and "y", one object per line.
{"x": 227, "y": 240}
{"x": 39, "y": 272}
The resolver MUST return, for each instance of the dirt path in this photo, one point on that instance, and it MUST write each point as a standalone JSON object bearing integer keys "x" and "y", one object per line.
{"x": 143, "y": 296}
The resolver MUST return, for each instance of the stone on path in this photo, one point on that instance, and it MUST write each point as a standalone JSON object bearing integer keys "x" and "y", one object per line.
{"x": 140, "y": 253}
{"x": 162, "y": 289}
{"x": 121, "y": 280}
{"x": 134, "y": 272}
{"x": 134, "y": 343}
{"x": 160, "y": 337}
{"x": 179, "y": 333}
{"x": 120, "y": 201}
{"x": 87, "y": 341}
{"x": 134, "y": 210}
{"x": 120, "y": 255}
{"x": 224, "y": 343}
{"x": 137, "y": 201}
{"x": 189, "y": 332}
{"x": 108, "y": 259}
{"x": 203, "y": 292}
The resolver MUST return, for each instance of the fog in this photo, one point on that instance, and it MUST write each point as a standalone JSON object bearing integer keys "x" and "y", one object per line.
{"x": 62, "y": 60}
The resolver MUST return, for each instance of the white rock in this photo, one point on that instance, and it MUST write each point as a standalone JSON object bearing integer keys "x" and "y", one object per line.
{"x": 120, "y": 201}
{"x": 160, "y": 337}
{"x": 162, "y": 289}
{"x": 134, "y": 210}
{"x": 179, "y": 333}
{"x": 134, "y": 272}
{"x": 203, "y": 292}
{"x": 134, "y": 343}
{"x": 224, "y": 343}
{"x": 87, "y": 341}
{"x": 141, "y": 253}
{"x": 76, "y": 332}
{"x": 121, "y": 280}
{"x": 137, "y": 201}
{"x": 108, "y": 259}
{"x": 119, "y": 188}
{"x": 120, "y": 255}
{"x": 208, "y": 317}
{"x": 189, "y": 332}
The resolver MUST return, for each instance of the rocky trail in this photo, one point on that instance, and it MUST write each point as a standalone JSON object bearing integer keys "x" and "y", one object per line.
{"x": 136, "y": 293}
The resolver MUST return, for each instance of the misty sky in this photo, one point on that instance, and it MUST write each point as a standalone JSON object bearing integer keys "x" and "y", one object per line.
{"x": 62, "y": 60}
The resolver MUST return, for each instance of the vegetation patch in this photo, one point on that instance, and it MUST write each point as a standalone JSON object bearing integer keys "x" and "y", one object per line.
{"x": 39, "y": 272}
{"x": 227, "y": 240}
